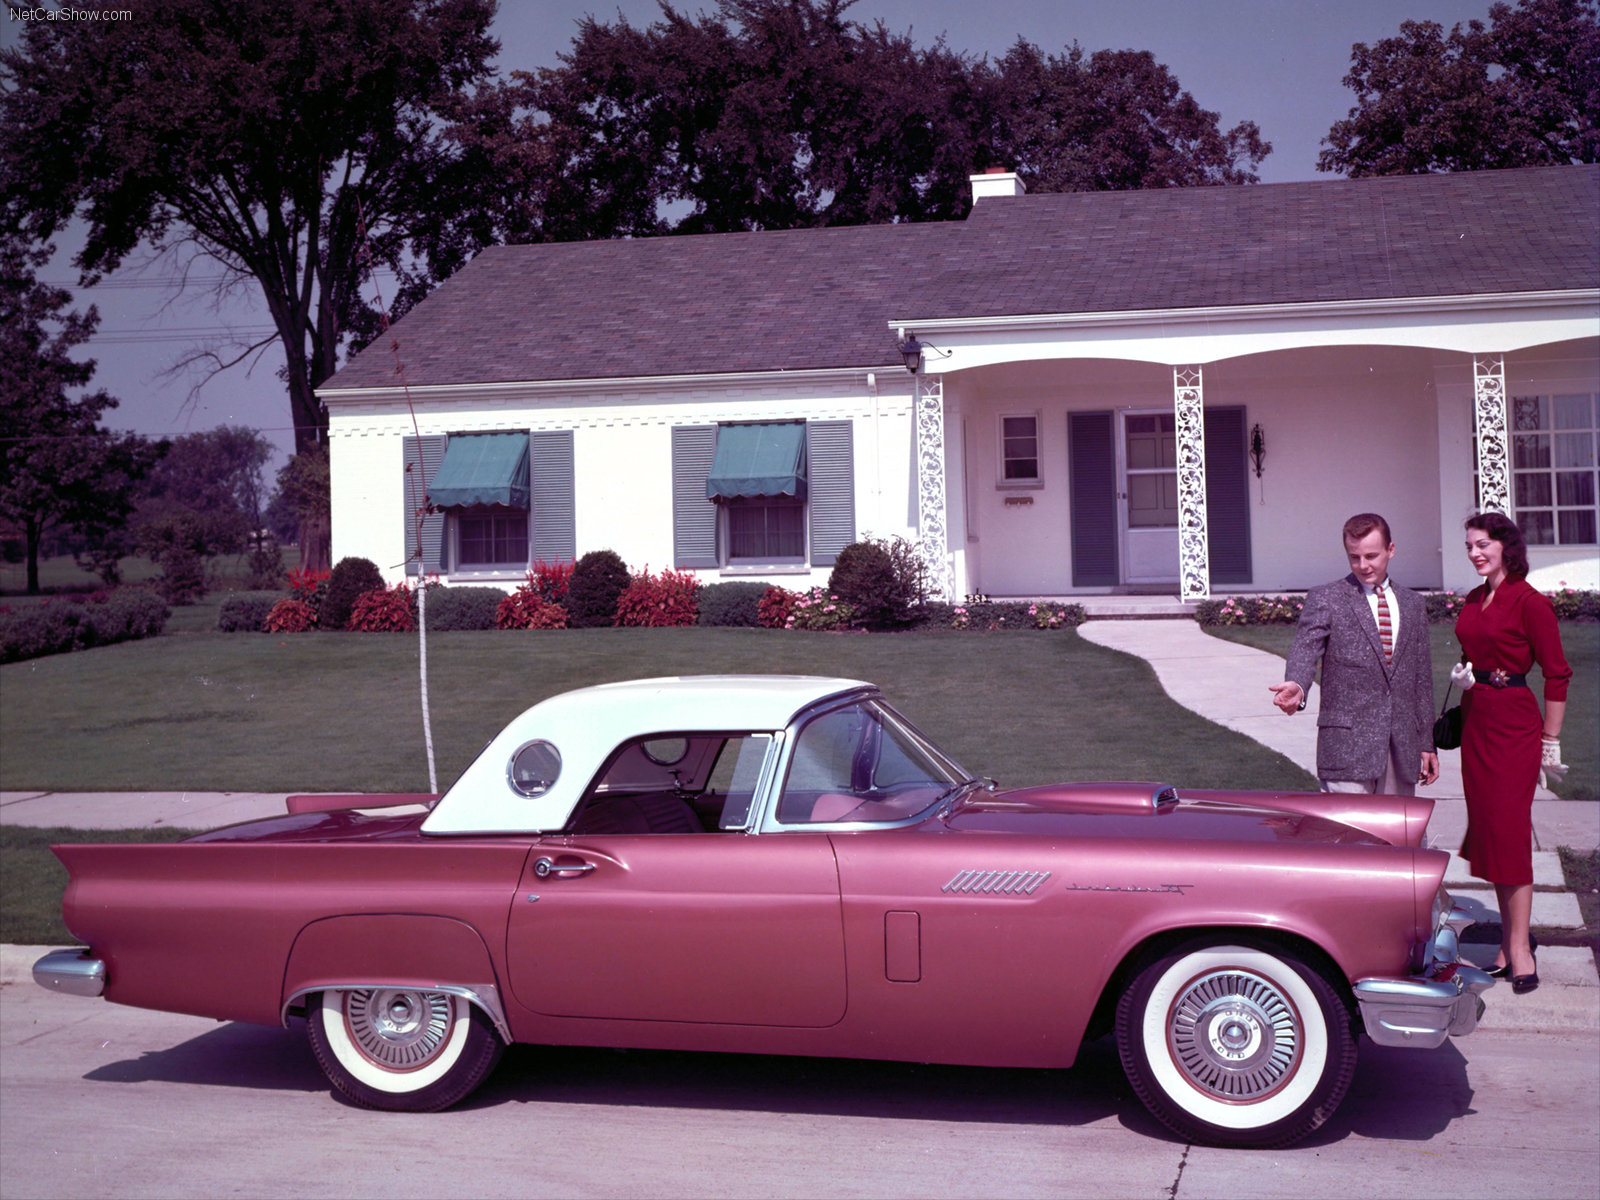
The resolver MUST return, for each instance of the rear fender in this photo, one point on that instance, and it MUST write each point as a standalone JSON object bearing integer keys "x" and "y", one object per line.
{"x": 409, "y": 950}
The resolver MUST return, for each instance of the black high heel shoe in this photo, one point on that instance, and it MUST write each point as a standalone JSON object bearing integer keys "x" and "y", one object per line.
{"x": 1521, "y": 985}
{"x": 1503, "y": 971}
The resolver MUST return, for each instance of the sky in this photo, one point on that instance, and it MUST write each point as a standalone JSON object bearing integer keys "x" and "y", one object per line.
{"x": 1278, "y": 63}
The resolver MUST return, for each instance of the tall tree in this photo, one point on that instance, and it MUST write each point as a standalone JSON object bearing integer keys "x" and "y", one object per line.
{"x": 1522, "y": 91}
{"x": 1114, "y": 120}
{"x": 776, "y": 114}
{"x": 58, "y": 466}
{"x": 255, "y": 133}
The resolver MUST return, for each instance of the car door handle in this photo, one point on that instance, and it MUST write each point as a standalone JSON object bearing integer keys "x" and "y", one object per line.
{"x": 544, "y": 867}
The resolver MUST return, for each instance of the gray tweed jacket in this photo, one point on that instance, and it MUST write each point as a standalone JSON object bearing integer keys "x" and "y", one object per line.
{"x": 1368, "y": 708}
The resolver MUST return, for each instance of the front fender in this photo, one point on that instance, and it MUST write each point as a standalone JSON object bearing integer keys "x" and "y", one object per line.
{"x": 393, "y": 950}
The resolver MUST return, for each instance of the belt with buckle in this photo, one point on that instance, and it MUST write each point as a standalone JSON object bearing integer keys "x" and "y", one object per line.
{"x": 1498, "y": 678}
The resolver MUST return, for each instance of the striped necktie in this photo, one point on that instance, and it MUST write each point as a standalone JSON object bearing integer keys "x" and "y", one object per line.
{"x": 1385, "y": 628}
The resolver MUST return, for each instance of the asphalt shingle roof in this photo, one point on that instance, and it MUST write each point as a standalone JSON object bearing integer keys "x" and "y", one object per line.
{"x": 817, "y": 298}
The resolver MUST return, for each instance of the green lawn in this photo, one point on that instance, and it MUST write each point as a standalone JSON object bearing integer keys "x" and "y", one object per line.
{"x": 1580, "y": 735}
{"x": 324, "y": 711}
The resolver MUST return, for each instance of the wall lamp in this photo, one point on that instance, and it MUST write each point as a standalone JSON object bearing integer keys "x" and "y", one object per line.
{"x": 1258, "y": 448}
{"x": 911, "y": 351}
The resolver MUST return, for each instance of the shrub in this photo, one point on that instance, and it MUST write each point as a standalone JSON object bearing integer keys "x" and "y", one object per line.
{"x": 551, "y": 580}
{"x": 40, "y": 629}
{"x": 821, "y": 611}
{"x": 266, "y": 566}
{"x": 58, "y": 626}
{"x": 1443, "y": 607}
{"x": 737, "y": 602}
{"x": 183, "y": 574}
{"x": 309, "y": 585}
{"x": 458, "y": 608}
{"x": 1250, "y": 610}
{"x": 598, "y": 580}
{"x": 246, "y": 612}
{"x": 290, "y": 616}
{"x": 351, "y": 578}
{"x": 984, "y": 614}
{"x": 524, "y": 610}
{"x": 775, "y": 606}
{"x": 128, "y": 614}
{"x": 865, "y": 578}
{"x": 384, "y": 610}
{"x": 659, "y": 601}
{"x": 1571, "y": 604}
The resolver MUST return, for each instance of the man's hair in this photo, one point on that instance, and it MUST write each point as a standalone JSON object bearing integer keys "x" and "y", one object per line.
{"x": 1358, "y": 526}
{"x": 1514, "y": 551}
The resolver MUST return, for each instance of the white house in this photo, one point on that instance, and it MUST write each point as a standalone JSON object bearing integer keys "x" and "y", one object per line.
{"x": 1177, "y": 391}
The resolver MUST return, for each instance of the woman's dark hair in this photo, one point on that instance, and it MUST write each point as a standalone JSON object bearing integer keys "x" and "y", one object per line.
{"x": 1504, "y": 530}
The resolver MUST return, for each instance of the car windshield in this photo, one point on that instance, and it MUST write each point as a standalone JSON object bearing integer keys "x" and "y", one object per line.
{"x": 863, "y": 763}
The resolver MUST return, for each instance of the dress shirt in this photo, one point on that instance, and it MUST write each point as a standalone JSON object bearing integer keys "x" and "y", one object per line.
{"x": 1394, "y": 607}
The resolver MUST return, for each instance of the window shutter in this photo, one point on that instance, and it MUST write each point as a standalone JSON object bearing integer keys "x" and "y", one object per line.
{"x": 830, "y": 489}
{"x": 1227, "y": 495}
{"x": 694, "y": 518}
{"x": 1091, "y": 469}
{"x": 422, "y": 458}
{"x": 552, "y": 519}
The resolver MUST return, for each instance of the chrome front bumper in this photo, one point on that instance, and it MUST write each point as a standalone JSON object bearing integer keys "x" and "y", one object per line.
{"x": 1445, "y": 1000}
{"x": 1421, "y": 1012}
{"x": 71, "y": 971}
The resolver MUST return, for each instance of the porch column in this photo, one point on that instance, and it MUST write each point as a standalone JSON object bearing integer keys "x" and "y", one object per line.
{"x": 1194, "y": 550}
{"x": 932, "y": 530}
{"x": 1489, "y": 423}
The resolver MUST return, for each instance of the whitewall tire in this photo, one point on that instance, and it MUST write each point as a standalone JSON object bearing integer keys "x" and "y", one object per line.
{"x": 1236, "y": 1045}
{"x": 402, "y": 1048}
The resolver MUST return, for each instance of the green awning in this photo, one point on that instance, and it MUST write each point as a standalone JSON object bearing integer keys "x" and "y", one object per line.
{"x": 758, "y": 460}
{"x": 482, "y": 468}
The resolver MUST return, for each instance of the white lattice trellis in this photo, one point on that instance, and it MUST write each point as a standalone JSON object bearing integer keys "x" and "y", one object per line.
{"x": 1489, "y": 423}
{"x": 932, "y": 536}
{"x": 1194, "y": 551}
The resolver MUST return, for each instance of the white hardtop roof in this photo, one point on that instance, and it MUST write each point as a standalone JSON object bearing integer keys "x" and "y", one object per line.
{"x": 586, "y": 725}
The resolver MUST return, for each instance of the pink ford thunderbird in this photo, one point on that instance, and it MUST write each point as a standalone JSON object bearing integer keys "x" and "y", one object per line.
{"x": 785, "y": 865}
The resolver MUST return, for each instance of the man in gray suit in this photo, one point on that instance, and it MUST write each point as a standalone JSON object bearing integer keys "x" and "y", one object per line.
{"x": 1375, "y": 731}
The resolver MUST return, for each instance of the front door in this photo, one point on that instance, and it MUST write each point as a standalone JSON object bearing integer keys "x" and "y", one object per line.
{"x": 722, "y": 928}
{"x": 1149, "y": 497}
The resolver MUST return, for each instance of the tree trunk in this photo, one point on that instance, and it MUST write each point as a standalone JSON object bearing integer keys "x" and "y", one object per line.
{"x": 316, "y": 547}
{"x": 34, "y": 534}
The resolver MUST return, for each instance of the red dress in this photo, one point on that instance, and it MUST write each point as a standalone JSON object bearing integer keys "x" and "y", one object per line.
{"x": 1500, "y": 734}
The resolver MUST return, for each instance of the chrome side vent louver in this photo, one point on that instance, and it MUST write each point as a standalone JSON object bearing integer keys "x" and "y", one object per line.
{"x": 1167, "y": 795}
{"x": 1011, "y": 883}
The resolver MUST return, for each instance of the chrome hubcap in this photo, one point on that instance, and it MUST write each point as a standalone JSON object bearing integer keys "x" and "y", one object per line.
{"x": 1234, "y": 1035}
{"x": 401, "y": 1030}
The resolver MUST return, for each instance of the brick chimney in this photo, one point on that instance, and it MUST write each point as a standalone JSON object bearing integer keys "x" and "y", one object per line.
{"x": 996, "y": 181}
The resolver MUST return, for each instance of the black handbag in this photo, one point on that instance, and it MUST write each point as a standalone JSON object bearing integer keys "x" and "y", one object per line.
{"x": 1447, "y": 729}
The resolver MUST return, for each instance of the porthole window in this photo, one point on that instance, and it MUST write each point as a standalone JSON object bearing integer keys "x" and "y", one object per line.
{"x": 535, "y": 768}
{"x": 666, "y": 751}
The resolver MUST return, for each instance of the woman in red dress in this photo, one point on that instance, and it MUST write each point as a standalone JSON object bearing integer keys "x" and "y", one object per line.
{"x": 1505, "y": 627}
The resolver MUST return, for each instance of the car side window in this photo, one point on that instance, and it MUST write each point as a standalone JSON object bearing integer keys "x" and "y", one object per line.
{"x": 861, "y": 764}
{"x": 674, "y": 783}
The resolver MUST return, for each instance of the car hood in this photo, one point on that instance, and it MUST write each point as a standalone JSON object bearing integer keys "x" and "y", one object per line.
{"x": 1136, "y": 809}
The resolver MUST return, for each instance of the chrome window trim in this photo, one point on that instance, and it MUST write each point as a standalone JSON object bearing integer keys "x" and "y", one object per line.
{"x": 769, "y": 823}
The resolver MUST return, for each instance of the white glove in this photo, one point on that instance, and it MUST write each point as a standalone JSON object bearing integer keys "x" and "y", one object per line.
{"x": 1550, "y": 759}
{"x": 1461, "y": 675}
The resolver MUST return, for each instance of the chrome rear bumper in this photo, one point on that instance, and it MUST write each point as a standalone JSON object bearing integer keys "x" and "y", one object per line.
{"x": 74, "y": 972}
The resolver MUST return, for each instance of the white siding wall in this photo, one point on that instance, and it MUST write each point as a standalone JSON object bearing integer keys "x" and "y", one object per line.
{"x": 622, "y": 457}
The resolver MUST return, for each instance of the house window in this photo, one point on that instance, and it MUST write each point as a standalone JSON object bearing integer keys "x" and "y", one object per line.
{"x": 1019, "y": 450}
{"x": 763, "y": 530}
{"x": 1553, "y": 469}
{"x": 488, "y": 537}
